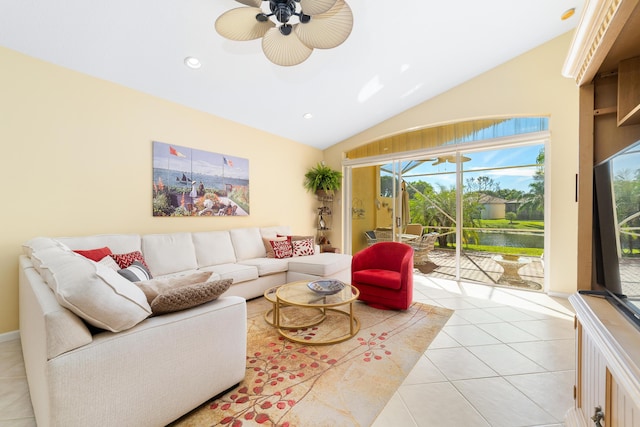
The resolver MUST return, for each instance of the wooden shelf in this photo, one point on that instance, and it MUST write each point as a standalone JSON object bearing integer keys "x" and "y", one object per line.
{"x": 629, "y": 92}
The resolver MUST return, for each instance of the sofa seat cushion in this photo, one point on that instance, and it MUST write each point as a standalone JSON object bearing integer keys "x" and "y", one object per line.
{"x": 322, "y": 264}
{"x": 186, "y": 273}
{"x": 169, "y": 253}
{"x": 238, "y": 272}
{"x": 267, "y": 266}
{"x": 376, "y": 277}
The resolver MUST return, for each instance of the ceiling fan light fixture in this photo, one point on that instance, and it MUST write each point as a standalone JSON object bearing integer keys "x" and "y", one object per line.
{"x": 322, "y": 24}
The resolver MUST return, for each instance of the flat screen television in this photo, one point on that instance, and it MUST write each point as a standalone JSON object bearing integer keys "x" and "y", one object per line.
{"x": 616, "y": 230}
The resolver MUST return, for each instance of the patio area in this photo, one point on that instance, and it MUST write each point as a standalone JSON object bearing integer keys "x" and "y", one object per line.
{"x": 487, "y": 268}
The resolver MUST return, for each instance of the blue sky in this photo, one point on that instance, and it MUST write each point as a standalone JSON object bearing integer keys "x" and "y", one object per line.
{"x": 484, "y": 163}
{"x": 199, "y": 161}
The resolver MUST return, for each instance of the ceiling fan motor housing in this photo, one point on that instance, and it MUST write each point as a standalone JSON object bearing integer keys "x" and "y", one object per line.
{"x": 283, "y": 9}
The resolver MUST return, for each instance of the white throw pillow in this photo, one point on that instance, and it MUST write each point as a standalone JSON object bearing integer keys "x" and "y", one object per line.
{"x": 39, "y": 243}
{"x": 96, "y": 293}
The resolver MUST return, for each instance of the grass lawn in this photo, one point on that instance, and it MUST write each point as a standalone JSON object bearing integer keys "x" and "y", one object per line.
{"x": 517, "y": 224}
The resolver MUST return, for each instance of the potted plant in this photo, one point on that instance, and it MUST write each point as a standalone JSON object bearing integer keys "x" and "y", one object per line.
{"x": 322, "y": 180}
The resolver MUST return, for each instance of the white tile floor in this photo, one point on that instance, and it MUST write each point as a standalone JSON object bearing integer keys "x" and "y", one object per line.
{"x": 505, "y": 358}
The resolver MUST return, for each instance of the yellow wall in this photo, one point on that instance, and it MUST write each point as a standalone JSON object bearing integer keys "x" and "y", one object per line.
{"x": 529, "y": 85}
{"x": 76, "y": 160}
{"x": 364, "y": 185}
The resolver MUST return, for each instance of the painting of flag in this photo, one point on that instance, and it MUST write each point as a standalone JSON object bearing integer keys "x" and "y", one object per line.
{"x": 190, "y": 182}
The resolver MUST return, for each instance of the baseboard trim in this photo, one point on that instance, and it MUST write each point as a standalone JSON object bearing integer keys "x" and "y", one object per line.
{"x": 10, "y": 336}
{"x": 559, "y": 294}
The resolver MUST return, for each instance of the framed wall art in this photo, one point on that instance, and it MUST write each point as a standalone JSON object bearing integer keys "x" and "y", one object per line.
{"x": 190, "y": 182}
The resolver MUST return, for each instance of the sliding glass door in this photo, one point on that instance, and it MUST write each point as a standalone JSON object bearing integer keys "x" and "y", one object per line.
{"x": 482, "y": 208}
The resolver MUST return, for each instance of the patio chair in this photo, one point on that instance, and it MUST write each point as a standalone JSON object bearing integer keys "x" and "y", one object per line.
{"x": 422, "y": 247}
{"x": 371, "y": 237}
{"x": 384, "y": 235}
{"x": 415, "y": 229}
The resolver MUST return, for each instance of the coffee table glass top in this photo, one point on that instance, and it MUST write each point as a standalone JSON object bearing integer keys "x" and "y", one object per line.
{"x": 298, "y": 293}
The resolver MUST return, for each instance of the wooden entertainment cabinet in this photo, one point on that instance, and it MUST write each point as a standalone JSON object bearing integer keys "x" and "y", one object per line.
{"x": 604, "y": 60}
{"x": 608, "y": 365}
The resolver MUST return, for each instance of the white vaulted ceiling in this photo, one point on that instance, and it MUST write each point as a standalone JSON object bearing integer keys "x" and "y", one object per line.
{"x": 400, "y": 53}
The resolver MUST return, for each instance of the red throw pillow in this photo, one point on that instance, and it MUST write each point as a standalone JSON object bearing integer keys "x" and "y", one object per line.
{"x": 282, "y": 248}
{"x": 95, "y": 254}
{"x": 125, "y": 260}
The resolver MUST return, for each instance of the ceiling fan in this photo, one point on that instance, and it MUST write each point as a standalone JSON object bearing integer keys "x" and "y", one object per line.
{"x": 446, "y": 159}
{"x": 291, "y": 29}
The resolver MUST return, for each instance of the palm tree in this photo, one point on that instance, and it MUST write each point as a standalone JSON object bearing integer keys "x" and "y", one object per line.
{"x": 533, "y": 201}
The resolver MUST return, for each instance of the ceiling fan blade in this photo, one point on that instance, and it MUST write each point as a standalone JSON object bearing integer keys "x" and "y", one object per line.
{"x": 284, "y": 50}
{"x": 315, "y": 7}
{"x": 241, "y": 24}
{"x": 327, "y": 30}
{"x": 254, "y": 3}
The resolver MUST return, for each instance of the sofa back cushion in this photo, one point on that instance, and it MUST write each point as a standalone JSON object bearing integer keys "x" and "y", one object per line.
{"x": 169, "y": 253}
{"x": 278, "y": 230}
{"x": 118, "y": 243}
{"x": 247, "y": 243}
{"x": 213, "y": 248}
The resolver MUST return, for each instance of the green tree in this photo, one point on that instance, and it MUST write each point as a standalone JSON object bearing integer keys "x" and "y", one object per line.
{"x": 627, "y": 194}
{"x": 533, "y": 202}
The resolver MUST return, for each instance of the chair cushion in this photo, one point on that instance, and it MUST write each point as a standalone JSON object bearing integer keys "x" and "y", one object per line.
{"x": 380, "y": 278}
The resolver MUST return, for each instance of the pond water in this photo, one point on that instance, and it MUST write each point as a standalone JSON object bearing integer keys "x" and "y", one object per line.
{"x": 512, "y": 240}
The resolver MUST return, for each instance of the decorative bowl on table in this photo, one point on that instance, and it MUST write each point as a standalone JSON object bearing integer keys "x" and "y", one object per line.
{"x": 510, "y": 257}
{"x": 326, "y": 287}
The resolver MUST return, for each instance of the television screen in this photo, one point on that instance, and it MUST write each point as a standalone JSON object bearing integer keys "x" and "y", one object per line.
{"x": 617, "y": 227}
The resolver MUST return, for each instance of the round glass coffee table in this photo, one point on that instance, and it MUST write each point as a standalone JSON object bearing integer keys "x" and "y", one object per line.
{"x": 307, "y": 311}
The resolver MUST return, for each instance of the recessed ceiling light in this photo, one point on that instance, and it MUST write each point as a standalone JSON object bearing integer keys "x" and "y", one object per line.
{"x": 307, "y": 115}
{"x": 568, "y": 13}
{"x": 192, "y": 62}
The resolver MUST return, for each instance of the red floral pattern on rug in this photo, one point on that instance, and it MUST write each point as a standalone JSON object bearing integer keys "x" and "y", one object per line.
{"x": 289, "y": 384}
{"x": 281, "y": 373}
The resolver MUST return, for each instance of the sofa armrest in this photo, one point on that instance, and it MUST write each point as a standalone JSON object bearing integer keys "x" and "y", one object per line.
{"x": 154, "y": 372}
{"x": 43, "y": 321}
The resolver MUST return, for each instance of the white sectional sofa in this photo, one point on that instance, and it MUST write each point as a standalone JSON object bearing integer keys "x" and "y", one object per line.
{"x": 148, "y": 370}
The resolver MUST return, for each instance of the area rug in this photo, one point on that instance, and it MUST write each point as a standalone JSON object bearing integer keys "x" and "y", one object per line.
{"x": 345, "y": 384}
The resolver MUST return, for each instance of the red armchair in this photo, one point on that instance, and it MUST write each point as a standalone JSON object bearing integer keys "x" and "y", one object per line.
{"x": 383, "y": 273}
